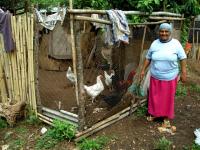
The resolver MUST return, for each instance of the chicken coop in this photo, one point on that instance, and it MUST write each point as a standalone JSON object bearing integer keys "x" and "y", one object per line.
{"x": 77, "y": 74}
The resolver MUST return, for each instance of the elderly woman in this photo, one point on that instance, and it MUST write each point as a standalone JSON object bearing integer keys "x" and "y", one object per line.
{"x": 163, "y": 57}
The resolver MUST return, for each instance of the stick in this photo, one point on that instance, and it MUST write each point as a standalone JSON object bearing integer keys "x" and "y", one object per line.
{"x": 92, "y": 52}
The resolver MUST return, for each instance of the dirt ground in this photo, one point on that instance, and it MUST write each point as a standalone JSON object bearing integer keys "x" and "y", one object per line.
{"x": 135, "y": 132}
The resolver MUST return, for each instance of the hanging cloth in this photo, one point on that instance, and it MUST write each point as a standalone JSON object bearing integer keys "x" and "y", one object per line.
{"x": 6, "y": 30}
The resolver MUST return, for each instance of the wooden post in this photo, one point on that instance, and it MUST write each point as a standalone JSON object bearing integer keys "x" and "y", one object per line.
{"x": 78, "y": 71}
{"x": 73, "y": 48}
{"x": 81, "y": 95}
{"x": 36, "y": 56}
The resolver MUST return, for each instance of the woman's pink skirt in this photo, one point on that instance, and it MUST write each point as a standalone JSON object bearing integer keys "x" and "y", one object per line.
{"x": 161, "y": 98}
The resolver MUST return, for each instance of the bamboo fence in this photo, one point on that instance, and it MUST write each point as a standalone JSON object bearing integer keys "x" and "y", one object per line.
{"x": 17, "y": 79}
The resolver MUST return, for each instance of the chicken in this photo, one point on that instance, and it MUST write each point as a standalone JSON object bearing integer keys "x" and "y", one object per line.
{"x": 108, "y": 78}
{"x": 94, "y": 90}
{"x": 70, "y": 75}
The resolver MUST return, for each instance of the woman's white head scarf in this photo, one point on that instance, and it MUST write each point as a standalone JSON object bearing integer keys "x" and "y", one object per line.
{"x": 166, "y": 26}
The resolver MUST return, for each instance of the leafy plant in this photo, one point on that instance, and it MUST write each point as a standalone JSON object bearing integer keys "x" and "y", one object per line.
{"x": 32, "y": 119}
{"x": 61, "y": 130}
{"x": 93, "y": 144}
{"x": 135, "y": 19}
{"x": 191, "y": 7}
{"x": 195, "y": 147}
{"x": 163, "y": 144}
{"x": 195, "y": 88}
{"x": 181, "y": 90}
{"x": 147, "y": 5}
{"x": 184, "y": 31}
{"x": 45, "y": 142}
{"x": 3, "y": 124}
{"x": 94, "y": 4}
{"x": 141, "y": 111}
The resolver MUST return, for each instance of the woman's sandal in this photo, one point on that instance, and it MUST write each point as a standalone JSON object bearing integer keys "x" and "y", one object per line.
{"x": 150, "y": 118}
{"x": 166, "y": 124}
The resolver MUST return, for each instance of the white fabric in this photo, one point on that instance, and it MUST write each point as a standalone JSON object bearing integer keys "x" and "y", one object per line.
{"x": 50, "y": 21}
{"x": 145, "y": 85}
{"x": 197, "y": 133}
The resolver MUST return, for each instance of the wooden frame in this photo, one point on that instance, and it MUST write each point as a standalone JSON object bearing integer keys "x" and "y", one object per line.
{"x": 14, "y": 86}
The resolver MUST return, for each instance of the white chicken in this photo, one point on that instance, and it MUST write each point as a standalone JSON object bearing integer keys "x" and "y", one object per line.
{"x": 108, "y": 78}
{"x": 70, "y": 75}
{"x": 94, "y": 90}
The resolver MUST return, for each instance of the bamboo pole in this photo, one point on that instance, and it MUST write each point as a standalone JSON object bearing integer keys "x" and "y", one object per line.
{"x": 29, "y": 62}
{"x": 74, "y": 59}
{"x": 69, "y": 113}
{"x": 20, "y": 57}
{"x": 81, "y": 11}
{"x": 17, "y": 57}
{"x": 193, "y": 42}
{"x": 165, "y": 18}
{"x": 36, "y": 56}
{"x": 32, "y": 64}
{"x": 6, "y": 71}
{"x": 147, "y": 23}
{"x": 22, "y": 50}
{"x": 3, "y": 90}
{"x": 84, "y": 18}
{"x": 198, "y": 46}
{"x": 13, "y": 58}
{"x": 45, "y": 119}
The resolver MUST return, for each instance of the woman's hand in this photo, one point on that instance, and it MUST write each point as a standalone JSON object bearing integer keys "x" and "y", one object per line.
{"x": 183, "y": 77}
{"x": 142, "y": 75}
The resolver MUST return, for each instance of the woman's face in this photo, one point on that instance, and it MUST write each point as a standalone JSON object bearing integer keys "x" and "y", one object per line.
{"x": 164, "y": 34}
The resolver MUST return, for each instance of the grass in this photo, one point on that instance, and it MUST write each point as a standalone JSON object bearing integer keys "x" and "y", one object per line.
{"x": 93, "y": 144}
{"x": 17, "y": 144}
{"x": 21, "y": 130}
{"x": 163, "y": 144}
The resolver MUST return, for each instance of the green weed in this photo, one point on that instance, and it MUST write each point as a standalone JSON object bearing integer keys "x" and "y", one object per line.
{"x": 45, "y": 142}
{"x": 3, "y": 124}
{"x": 17, "y": 144}
{"x": 33, "y": 120}
{"x": 163, "y": 144}
{"x": 195, "y": 88}
{"x": 21, "y": 130}
{"x": 93, "y": 144}
{"x": 141, "y": 111}
{"x": 61, "y": 130}
{"x": 181, "y": 90}
{"x": 195, "y": 147}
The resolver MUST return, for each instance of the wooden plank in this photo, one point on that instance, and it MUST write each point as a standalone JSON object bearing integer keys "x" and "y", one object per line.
{"x": 106, "y": 123}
